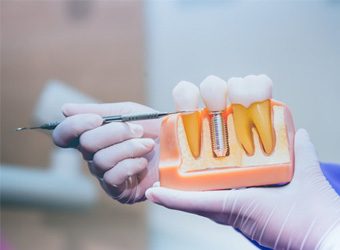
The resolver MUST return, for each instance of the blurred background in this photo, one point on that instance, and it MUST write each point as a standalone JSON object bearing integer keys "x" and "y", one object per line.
{"x": 108, "y": 51}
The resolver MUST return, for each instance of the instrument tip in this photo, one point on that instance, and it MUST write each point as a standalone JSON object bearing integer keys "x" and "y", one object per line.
{"x": 26, "y": 128}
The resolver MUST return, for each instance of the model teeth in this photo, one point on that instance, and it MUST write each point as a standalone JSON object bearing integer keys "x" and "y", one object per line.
{"x": 214, "y": 94}
{"x": 186, "y": 97}
{"x": 250, "y": 100}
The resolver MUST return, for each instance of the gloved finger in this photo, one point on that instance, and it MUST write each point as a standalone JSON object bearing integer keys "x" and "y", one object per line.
{"x": 126, "y": 193}
{"x": 151, "y": 127}
{"x": 124, "y": 169}
{"x": 204, "y": 202}
{"x": 67, "y": 132}
{"x": 305, "y": 154}
{"x": 104, "y": 109}
{"x": 116, "y": 192}
{"x": 108, "y": 157}
{"x": 109, "y": 134}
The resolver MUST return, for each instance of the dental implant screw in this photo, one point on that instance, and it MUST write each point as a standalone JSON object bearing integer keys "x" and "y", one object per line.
{"x": 219, "y": 134}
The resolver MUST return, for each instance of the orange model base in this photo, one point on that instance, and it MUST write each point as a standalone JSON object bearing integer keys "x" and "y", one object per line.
{"x": 179, "y": 169}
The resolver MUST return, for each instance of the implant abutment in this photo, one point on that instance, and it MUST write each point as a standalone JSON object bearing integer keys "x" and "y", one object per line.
{"x": 219, "y": 134}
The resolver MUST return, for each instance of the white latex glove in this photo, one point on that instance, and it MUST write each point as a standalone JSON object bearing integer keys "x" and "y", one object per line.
{"x": 123, "y": 156}
{"x": 304, "y": 214}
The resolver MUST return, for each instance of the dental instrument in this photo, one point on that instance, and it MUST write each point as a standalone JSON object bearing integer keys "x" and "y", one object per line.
{"x": 108, "y": 119}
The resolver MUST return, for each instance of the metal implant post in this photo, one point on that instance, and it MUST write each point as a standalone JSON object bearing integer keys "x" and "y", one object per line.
{"x": 219, "y": 134}
{"x": 214, "y": 93}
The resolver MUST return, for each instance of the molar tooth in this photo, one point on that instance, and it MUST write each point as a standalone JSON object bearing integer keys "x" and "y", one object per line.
{"x": 186, "y": 97}
{"x": 250, "y": 98}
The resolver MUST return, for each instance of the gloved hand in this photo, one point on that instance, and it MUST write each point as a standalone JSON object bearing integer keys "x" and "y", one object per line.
{"x": 123, "y": 156}
{"x": 300, "y": 215}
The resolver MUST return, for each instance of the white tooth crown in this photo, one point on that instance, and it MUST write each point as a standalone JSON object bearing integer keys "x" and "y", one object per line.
{"x": 249, "y": 89}
{"x": 186, "y": 96}
{"x": 214, "y": 93}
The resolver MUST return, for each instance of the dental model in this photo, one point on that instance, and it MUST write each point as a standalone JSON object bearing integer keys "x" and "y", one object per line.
{"x": 214, "y": 94}
{"x": 186, "y": 97}
{"x": 257, "y": 137}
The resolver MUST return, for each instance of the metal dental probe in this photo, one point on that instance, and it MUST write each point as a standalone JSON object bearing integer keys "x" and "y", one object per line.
{"x": 112, "y": 118}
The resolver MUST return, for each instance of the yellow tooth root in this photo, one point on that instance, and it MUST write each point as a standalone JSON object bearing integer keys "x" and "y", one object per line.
{"x": 192, "y": 127}
{"x": 242, "y": 124}
{"x": 261, "y": 114}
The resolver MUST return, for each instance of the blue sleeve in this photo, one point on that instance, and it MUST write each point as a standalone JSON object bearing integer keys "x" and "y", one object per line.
{"x": 332, "y": 173}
